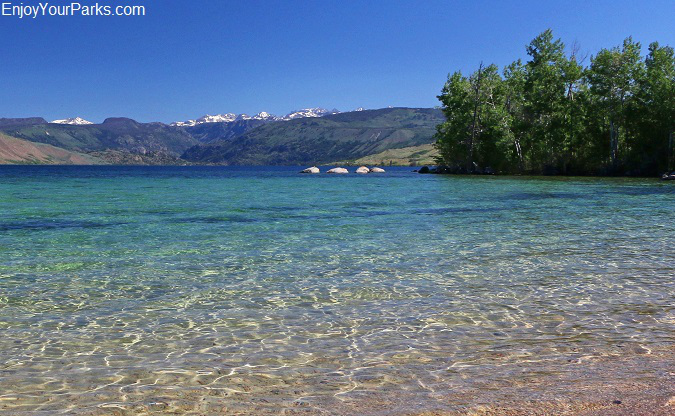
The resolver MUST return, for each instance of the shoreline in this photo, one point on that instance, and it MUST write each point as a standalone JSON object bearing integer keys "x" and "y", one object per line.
{"x": 400, "y": 167}
{"x": 636, "y": 384}
{"x": 613, "y": 390}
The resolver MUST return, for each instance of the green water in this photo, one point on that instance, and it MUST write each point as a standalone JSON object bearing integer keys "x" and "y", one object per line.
{"x": 152, "y": 289}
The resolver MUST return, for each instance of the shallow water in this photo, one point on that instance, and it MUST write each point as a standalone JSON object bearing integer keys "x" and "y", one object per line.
{"x": 200, "y": 288}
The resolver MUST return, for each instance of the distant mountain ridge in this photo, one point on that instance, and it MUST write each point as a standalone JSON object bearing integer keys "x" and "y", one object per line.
{"x": 342, "y": 136}
{"x": 209, "y": 132}
{"x": 115, "y": 133}
{"x": 307, "y": 137}
{"x": 17, "y": 151}
{"x": 263, "y": 116}
{"x": 27, "y": 121}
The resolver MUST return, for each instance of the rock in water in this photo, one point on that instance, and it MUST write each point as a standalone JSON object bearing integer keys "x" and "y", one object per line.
{"x": 362, "y": 169}
{"x": 377, "y": 170}
{"x": 313, "y": 169}
{"x": 338, "y": 170}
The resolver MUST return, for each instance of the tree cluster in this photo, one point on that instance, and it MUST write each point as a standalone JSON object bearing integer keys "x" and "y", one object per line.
{"x": 553, "y": 115}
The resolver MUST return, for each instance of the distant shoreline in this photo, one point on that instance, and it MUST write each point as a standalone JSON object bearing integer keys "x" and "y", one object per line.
{"x": 413, "y": 169}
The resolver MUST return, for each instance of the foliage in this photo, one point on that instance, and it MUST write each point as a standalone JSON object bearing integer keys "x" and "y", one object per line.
{"x": 552, "y": 115}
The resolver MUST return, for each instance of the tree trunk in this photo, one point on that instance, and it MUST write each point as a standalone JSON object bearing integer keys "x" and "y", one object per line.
{"x": 670, "y": 152}
{"x": 614, "y": 144}
{"x": 469, "y": 162}
{"x": 519, "y": 151}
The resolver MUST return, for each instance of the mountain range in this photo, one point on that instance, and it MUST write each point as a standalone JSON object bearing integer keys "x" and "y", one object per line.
{"x": 308, "y": 136}
{"x": 228, "y": 117}
{"x": 263, "y": 116}
{"x": 343, "y": 136}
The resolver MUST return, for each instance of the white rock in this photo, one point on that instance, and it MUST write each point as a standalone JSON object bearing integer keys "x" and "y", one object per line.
{"x": 377, "y": 170}
{"x": 362, "y": 169}
{"x": 313, "y": 169}
{"x": 338, "y": 170}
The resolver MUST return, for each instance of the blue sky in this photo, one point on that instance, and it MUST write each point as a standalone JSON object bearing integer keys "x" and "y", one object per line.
{"x": 189, "y": 58}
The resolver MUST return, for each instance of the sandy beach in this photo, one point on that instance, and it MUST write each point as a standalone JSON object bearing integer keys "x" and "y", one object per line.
{"x": 628, "y": 385}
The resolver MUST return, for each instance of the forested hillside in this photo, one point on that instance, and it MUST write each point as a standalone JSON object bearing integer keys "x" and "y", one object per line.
{"x": 17, "y": 151}
{"x": 344, "y": 136}
{"x": 114, "y": 133}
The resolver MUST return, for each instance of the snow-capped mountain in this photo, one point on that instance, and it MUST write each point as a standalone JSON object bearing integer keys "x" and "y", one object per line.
{"x": 230, "y": 117}
{"x": 260, "y": 116}
{"x": 225, "y": 118}
{"x": 218, "y": 118}
{"x": 78, "y": 121}
{"x": 309, "y": 112}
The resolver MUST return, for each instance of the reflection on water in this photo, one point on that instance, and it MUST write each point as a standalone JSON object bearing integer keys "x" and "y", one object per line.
{"x": 213, "y": 289}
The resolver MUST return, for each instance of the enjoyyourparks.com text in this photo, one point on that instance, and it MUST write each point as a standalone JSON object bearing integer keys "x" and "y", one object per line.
{"x": 44, "y": 9}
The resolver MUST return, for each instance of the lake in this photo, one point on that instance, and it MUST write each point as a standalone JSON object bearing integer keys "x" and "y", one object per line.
{"x": 261, "y": 290}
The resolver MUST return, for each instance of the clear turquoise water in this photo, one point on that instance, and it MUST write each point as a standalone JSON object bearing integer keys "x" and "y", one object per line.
{"x": 144, "y": 289}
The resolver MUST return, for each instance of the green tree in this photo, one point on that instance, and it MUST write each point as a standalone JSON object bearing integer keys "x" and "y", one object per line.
{"x": 545, "y": 91}
{"x": 614, "y": 77}
{"x": 493, "y": 126}
{"x": 514, "y": 102}
{"x": 572, "y": 133}
{"x": 454, "y": 135}
{"x": 476, "y": 132}
{"x": 657, "y": 116}
{"x": 552, "y": 115}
